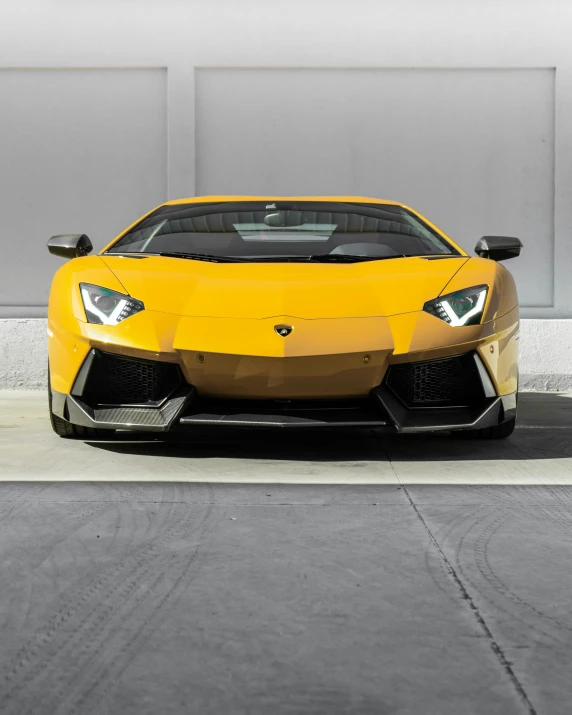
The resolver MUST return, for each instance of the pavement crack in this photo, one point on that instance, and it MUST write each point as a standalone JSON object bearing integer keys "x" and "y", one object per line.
{"x": 466, "y": 596}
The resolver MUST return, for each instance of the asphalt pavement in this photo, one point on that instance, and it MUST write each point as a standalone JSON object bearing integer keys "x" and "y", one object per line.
{"x": 270, "y": 573}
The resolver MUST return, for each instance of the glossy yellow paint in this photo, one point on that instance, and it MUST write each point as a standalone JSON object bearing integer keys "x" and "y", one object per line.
{"x": 350, "y": 321}
{"x": 309, "y": 377}
{"x": 261, "y": 290}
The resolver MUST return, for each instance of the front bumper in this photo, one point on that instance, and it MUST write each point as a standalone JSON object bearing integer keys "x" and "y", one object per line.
{"x": 126, "y": 393}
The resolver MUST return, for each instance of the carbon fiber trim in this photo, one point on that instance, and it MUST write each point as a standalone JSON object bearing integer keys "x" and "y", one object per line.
{"x": 491, "y": 412}
{"x": 286, "y": 413}
{"x": 151, "y": 419}
{"x": 129, "y": 415}
{"x": 261, "y": 420}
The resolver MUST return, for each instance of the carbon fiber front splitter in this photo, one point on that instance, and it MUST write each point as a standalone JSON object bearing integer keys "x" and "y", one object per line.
{"x": 493, "y": 411}
{"x": 139, "y": 419}
{"x": 384, "y": 411}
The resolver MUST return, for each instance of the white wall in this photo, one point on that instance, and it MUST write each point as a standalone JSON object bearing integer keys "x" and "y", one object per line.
{"x": 462, "y": 109}
{"x": 83, "y": 151}
{"x": 472, "y": 149}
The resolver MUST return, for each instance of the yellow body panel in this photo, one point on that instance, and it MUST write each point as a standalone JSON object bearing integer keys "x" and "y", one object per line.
{"x": 262, "y": 290}
{"x": 350, "y": 321}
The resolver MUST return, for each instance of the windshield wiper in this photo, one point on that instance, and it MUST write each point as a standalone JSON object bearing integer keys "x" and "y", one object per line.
{"x": 201, "y": 257}
{"x": 348, "y": 258}
{"x": 317, "y": 258}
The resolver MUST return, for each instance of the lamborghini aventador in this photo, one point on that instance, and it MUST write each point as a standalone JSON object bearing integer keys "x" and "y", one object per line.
{"x": 304, "y": 312}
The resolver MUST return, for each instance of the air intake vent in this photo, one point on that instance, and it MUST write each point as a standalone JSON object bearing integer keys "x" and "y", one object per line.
{"x": 447, "y": 382}
{"x": 118, "y": 380}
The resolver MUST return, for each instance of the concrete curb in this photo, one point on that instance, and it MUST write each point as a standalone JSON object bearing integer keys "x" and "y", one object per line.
{"x": 545, "y": 350}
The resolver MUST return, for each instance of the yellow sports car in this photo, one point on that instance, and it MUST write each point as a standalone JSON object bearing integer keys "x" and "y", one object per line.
{"x": 305, "y": 312}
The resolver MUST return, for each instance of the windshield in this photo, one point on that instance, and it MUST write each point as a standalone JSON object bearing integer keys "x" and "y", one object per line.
{"x": 281, "y": 231}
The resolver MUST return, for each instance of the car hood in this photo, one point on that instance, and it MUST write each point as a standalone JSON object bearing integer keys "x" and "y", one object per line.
{"x": 303, "y": 290}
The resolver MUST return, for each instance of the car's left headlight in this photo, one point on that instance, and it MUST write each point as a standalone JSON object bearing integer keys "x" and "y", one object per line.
{"x": 107, "y": 307}
{"x": 465, "y": 307}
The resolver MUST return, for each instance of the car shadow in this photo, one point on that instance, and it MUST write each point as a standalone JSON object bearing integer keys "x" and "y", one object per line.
{"x": 544, "y": 431}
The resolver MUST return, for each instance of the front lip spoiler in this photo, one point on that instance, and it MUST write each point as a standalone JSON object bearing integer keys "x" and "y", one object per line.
{"x": 314, "y": 419}
{"x": 139, "y": 419}
{"x": 392, "y": 417}
{"x": 493, "y": 411}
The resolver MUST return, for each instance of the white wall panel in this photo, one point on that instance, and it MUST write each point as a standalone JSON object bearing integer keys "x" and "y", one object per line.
{"x": 478, "y": 150}
{"x": 471, "y": 149}
{"x": 82, "y": 151}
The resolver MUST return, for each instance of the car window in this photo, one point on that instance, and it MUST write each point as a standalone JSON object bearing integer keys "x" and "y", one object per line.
{"x": 260, "y": 230}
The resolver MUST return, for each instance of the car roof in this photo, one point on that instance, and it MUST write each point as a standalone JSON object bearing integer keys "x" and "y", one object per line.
{"x": 340, "y": 199}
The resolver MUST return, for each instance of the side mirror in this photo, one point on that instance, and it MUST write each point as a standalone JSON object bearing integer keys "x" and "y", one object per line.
{"x": 498, "y": 248}
{"x": 70, "y": 245}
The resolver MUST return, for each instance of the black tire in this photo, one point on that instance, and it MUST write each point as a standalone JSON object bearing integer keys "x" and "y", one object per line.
{"x": 68, "y": 430}
{"x": 501, "y": 431}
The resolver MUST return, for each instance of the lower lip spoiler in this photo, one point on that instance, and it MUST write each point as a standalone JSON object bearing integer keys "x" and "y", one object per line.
{"x": 384, "y": 411}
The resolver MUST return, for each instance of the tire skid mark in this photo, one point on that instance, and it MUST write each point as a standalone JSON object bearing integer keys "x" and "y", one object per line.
{"x": 68, "y": 527}
{"x": 495, "y": 646}
{"x": 498, "y": 651}
{"x": 90, "y": 592}
{"x": 541, "y": 632}
{"x": 95, "y": 631}
{"x": 111, "y": 585}
{"x": 562, "y": 506}
{"x": 46, "y": 549}
{"x": 558, "y": 493}
{"x": 444, "y": 532}
{"x": 95, "y": 579}
{"x": 145, "y": 627}
{"x": 22, "y": 495}
{"x": 533, "y": 628}
{"x": 88, "y": 652}
{"x": 558, "y": 517}
{"x": 125, "y": 519}
{"x": 496, "y": 583}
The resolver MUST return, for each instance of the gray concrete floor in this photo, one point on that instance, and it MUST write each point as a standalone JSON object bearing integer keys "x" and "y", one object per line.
{"x": 263, "y": 573}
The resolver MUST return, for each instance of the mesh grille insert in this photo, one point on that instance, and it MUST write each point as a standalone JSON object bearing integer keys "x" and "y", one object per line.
{"x": 119, "y": 380}
{"x": 447, "y": 382}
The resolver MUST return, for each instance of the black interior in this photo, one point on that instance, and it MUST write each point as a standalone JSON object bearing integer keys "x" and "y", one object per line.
{"x": 232, "y": 244}
{"x": 381, "y": 231}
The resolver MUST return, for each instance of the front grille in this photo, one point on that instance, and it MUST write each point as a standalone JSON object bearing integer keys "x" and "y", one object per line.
{"x": 447, "y": 382}
{"x": 119, "y": 380}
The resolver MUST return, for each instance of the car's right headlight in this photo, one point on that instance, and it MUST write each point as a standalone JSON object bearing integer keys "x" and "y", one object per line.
{"x": 465, "y": 307}
{"x": 107, "y": 307}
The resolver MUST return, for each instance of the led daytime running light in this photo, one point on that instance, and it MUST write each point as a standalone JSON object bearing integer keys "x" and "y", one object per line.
{"x": 119, "y": 306}
{"x": 444, "y": 307}
{"x": 464, "y": 319}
